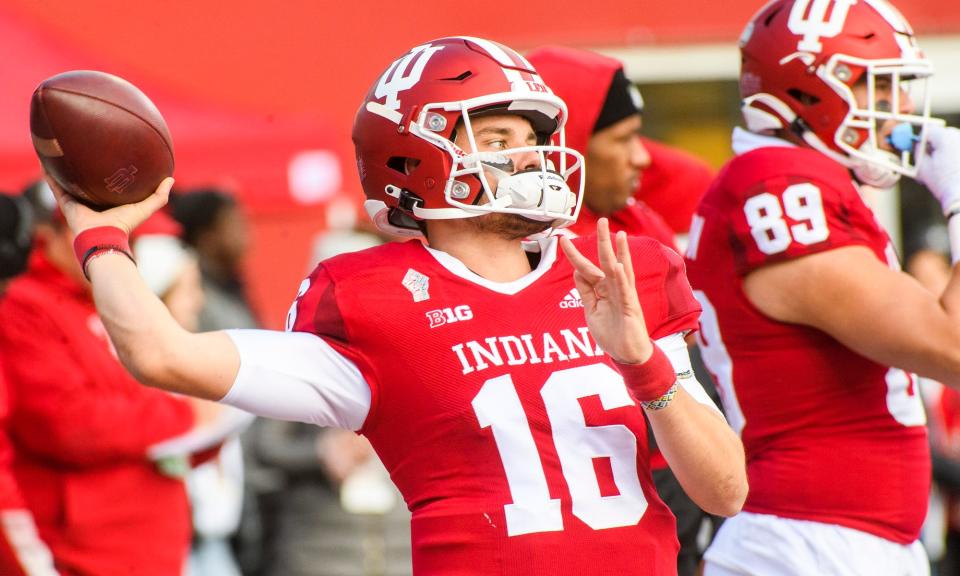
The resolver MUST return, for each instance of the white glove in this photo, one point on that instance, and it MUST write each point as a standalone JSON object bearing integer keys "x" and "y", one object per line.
{"x": 939, "y": 166}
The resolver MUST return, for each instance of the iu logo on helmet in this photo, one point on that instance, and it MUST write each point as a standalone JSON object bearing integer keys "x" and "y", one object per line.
{"x": 810, "y": 19}
{"x": 404, "y": 74}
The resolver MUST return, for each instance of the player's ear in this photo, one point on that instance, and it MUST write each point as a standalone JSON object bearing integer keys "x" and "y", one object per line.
{"x": 409, "y": 164}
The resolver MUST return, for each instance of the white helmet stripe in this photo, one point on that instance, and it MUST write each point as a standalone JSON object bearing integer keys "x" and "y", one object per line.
{"x": 891, "y": 15}
{"x": 510, "y": 59}
{"x": 495, "y": 51}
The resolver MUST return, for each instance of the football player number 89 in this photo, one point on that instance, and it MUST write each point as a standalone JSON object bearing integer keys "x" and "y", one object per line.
{"x": 801, "y": 203}
{"x": 498, "y": 407}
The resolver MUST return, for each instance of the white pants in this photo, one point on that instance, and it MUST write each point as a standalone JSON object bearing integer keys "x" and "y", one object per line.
{"x": 765, "y": 545}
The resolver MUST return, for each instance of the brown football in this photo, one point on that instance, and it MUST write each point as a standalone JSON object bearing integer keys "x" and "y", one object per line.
{"x": 100, "y": 138}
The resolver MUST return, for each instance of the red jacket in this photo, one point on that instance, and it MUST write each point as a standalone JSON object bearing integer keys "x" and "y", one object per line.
{"x": 673, "y": 184}
{"x": 22, "y": 553}
{"x": 80, "y": 427}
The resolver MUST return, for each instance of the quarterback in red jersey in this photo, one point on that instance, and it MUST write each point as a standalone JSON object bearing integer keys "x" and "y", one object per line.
{"x": 501, "y": 383}
{"x": 810, "y": 328}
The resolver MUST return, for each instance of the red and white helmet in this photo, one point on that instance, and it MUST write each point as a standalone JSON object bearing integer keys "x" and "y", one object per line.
{"x": 405, "y": 129}
{"x": 800, "y": 60}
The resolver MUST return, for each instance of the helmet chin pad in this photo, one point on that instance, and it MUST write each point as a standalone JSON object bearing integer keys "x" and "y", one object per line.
{"x": 536, "y": 190}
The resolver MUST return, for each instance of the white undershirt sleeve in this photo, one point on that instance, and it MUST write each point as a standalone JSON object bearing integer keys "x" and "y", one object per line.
{"x": 297, "y": 376}
{"x": 675, "y": 347}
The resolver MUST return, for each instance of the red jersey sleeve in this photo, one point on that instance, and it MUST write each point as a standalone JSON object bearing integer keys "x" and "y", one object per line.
{"x": 662, "y": 286}
{"x": 787, "y": 216}
{"x": 317, "y": 311}
{"x": 665, "y": 294}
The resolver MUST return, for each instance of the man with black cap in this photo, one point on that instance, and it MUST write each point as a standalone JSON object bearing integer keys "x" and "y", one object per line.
{"x": 605, "y": 122}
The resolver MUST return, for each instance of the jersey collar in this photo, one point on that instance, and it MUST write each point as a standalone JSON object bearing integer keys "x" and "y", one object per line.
{"x": 548, "y": 255}
{"x": 745, "y": 141}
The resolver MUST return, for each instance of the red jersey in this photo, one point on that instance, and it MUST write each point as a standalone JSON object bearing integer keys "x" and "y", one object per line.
{"x": 830, "y": 436}
{"x": 511, "y": 437}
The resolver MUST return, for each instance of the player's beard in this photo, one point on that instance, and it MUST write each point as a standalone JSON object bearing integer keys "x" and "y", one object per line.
{"x": 509, "y": 226}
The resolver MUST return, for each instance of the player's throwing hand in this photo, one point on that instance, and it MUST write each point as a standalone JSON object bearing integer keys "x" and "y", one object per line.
{"x": 126, "y": 217}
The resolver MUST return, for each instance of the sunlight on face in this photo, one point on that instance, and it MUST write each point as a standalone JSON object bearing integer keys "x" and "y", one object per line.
{"x": 883, "y": 99}
{"x": 615, "y": 157}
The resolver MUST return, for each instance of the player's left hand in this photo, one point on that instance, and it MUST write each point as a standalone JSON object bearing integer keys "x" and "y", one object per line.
{"x": 609, "y": 295}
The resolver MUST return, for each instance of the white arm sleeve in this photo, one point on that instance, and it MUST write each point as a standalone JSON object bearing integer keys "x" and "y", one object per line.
{"x": 297, "y": 376}
{"x": 675, "y": 347}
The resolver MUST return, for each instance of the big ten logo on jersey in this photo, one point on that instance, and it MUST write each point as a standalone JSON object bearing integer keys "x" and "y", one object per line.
{"x": 404, "y": 74}
{"x": 816, "y": 19}
{"x": 449, "y": 315}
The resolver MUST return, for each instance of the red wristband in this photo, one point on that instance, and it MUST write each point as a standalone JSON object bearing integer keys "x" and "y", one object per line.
{"x": 650, "y": 380}
{"x": 94, "y": 241}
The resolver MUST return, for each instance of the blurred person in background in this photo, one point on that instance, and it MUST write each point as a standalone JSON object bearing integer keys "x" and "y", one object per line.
{"x": 82, "y": 426}
{"x": 606, "y": 118}
{"x": 215, "y": 227}
{"x": 672, "y": 184}
{"x": 814, "y": 332}
{"x": 215, "y": 486}
{"x": 22, "y": 552}
{"x": 605, "y": 123}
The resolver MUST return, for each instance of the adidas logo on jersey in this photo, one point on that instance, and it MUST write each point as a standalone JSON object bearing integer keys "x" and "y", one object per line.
{"x": 572, "y": 300}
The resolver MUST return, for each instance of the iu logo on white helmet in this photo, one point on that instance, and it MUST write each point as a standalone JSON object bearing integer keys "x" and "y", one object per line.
{"x": 816, "y": 19}
{"x": 404, "y": 74}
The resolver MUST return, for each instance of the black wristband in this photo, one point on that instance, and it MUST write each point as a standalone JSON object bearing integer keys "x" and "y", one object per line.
{"x": 103, "y": 249}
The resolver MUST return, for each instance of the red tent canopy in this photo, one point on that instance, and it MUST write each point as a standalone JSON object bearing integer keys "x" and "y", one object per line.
{"x": 282, "y": 168}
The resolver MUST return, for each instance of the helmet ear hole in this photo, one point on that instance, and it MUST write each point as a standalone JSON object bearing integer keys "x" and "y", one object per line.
{"x": 802, "y": 97}
{"x": 402, "y": 164}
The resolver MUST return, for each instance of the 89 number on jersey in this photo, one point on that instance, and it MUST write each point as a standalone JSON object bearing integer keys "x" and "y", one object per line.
{"x": 802, "y": 203}
{"x": 498, "y": 407}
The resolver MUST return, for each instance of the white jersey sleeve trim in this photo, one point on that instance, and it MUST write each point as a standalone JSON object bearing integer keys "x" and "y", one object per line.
{"x": 675, "y": 347}
{"x": 20, "y": 533}
{"x": 297, "y": 376}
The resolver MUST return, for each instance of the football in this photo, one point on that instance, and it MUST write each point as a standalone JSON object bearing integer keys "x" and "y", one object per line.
{"x": 100, "y": 138}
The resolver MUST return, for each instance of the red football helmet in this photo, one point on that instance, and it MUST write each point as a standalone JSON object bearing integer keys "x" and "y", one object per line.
{"x": 800, "y": 62}
{"x": 404, "y": 133}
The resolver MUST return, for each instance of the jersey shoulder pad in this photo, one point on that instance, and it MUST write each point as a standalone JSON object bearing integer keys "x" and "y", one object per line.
{"x": 662, "y": 286}
{"x": 320, "y": 301}
{"x": 663, "y": 289}
{"x": 784, "y": 203}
